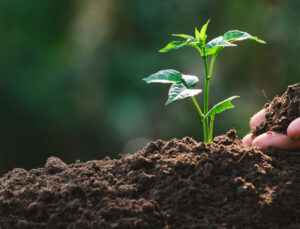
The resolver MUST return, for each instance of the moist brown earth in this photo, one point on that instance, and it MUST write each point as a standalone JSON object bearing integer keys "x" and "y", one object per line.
{"x": 281, "y": 112}
{"x": 177, "y": 184}
{"x": 173, "y": 184}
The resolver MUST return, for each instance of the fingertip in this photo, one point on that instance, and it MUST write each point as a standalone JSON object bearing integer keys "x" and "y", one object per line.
{"x": 279, "y": 140}
{"x": 262, "y": 141}
{"x": 268, "y": 139}
{"x": 257, "y": 118}
{"x": 293, "y": 129}
{"x": 248, "y": 139}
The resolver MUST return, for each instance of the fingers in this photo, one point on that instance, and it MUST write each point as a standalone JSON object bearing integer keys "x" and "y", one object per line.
{"x": 290, "y": 141}
{"x": 248, "y": 139}
{"x": 293, "y": 129}
{"x": 276, "y": 139}
{"x": 257, "y": 118}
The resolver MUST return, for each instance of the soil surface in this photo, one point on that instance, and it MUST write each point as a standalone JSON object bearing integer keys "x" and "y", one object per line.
{"x": 281, "y": 112}
{"x": 177, "y": 184}
{"x": 174, "y": 184}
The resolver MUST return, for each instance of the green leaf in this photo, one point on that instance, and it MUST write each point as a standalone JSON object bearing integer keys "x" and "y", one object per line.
{"x": 172, "y": 76}
{"x": 216, "y": 45}
{"x": 190, "y": 41}
{"x": 189, "y": 38}
{"x": 197, "y": 34}
{"x": 221, "y": 106}
{"x": 178, "y": 92}
{"x": 164, "y": 76}
{"x": 189, "y": 81}
{"x": 202, "y": 35}
{"x": 184, "y": 36}
{"x": 173, "y": 45}
{"x": 236, "y": 35}
{"x": 219, "y": 42}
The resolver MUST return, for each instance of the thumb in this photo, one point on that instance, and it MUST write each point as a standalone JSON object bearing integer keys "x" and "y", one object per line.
{"x": 293, "y": 129}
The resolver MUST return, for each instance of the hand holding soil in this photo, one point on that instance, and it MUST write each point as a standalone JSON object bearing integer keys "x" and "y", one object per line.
{"x": 291, "y": 140}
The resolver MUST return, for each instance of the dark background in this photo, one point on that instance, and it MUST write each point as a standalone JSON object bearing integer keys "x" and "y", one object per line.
{"x": 70, "y": 72}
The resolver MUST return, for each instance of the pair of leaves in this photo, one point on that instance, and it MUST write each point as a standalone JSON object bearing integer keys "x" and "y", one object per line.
{"x": 212, "y": 47}
{"x": 181, "y": 87}
{"x": 201, "y": 36}
{"x": 189, "y": 40}
{"x": 215, "y": 45}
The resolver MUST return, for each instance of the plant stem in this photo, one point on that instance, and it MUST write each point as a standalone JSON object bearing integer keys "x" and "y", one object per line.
{"x": 197, "y": 107}
{"x": 208, "y": 129}
{"x": 207, "y": 79}
{"x": 204, "y": 121}
{"x": 199, "y": 50}
{"x": 206, "y": 93}
{"x": 212, "y": 65}
{"x": 211, "y": 127}
{"x": 201, "y": 115}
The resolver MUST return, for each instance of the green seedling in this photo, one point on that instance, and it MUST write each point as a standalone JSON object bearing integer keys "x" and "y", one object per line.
{"x": 182, "y": 86}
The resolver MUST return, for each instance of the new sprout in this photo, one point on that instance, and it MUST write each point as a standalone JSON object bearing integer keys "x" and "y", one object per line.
{"x": 182, "y": 86}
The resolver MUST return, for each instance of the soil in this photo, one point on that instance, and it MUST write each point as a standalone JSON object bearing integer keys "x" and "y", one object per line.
{"x": 177, "y": 184}
{"x": 281, "y": 112}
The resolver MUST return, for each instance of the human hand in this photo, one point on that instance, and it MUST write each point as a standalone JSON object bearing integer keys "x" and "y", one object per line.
{"x": 289, "y": 141}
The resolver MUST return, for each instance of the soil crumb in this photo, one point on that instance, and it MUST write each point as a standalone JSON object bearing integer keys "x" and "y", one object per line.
{"x": 177, "y": 184}
{"x": 281, "y": 111}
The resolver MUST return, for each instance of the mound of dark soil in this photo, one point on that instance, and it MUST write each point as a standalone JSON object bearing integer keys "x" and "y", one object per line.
{"x": 174, "y": 184}
{"x": 177, "y": 184}
{"x": 281, "y": 112}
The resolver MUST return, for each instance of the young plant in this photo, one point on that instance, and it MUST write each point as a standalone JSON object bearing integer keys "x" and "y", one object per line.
{"x": 182, "y": 86}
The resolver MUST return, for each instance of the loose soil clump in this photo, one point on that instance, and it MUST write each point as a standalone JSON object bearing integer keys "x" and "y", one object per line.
{"x": 281, "y": 112}
{"x": 177, "y": 184}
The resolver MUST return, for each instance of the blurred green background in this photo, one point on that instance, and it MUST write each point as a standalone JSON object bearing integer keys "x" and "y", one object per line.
{"x": 70, "y": 75}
